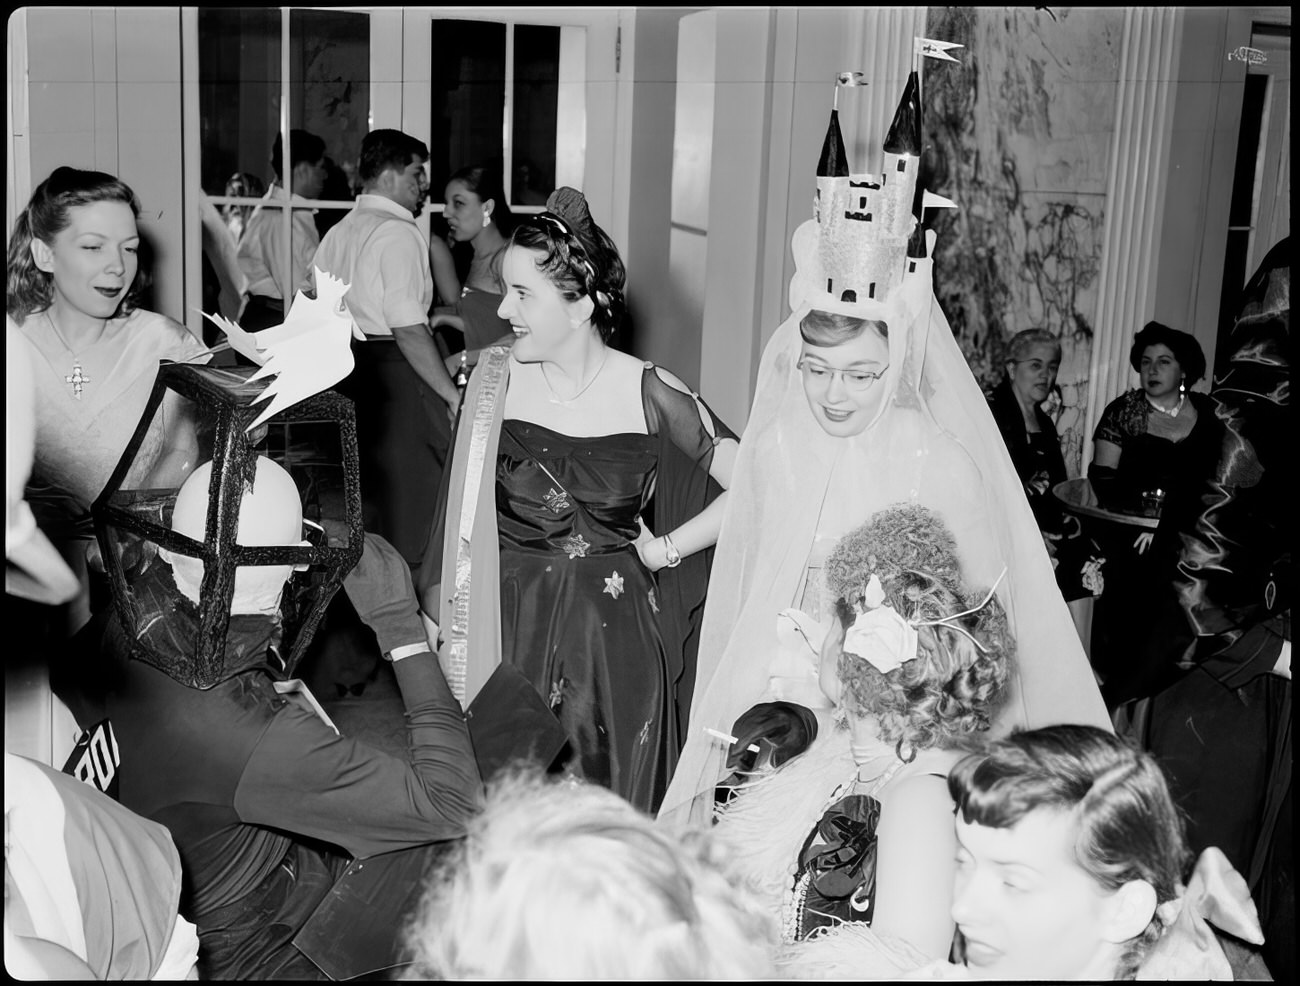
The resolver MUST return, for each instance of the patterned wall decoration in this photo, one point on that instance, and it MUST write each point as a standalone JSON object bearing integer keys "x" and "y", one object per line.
{"x": 1019, "y": 135}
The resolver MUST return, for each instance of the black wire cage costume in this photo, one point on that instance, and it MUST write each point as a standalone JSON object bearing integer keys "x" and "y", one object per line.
{"x": 315, "y": 441}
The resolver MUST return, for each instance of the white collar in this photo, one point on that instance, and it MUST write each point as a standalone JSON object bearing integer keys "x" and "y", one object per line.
{"x": 370, "y": 200}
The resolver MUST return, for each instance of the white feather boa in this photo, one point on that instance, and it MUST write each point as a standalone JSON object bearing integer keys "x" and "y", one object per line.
{"x": 769, "y": 818}
{"x": 764, "y": 827}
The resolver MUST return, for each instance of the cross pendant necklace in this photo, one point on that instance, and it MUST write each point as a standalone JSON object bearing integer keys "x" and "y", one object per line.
{"x": 77, "y": 378}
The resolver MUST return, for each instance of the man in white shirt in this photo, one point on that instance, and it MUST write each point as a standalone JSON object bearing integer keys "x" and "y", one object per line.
{"x": 405, "y": 399}
{"x": 272, "y": 272}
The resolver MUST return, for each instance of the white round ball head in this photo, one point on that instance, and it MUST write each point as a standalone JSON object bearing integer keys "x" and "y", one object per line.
{"x": 269, "y": 514}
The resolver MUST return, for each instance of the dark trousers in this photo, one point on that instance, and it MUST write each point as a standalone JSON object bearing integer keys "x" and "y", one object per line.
{"x": 252, "y": 938}
{"x": 404, "y": 435}
{"x": 1227, "y": 755}
{"x": 261, "y": 312}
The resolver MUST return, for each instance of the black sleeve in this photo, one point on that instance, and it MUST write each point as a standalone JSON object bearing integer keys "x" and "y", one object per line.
{"x": 304, "y": 779}
{"x": 683, "y": 416}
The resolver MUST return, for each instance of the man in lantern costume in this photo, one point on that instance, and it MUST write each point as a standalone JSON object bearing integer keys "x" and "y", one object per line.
{"x": 218, "y": 593}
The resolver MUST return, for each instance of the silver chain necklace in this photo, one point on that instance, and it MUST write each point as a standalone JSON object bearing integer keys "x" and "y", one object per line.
{"x": 556, "y": 399}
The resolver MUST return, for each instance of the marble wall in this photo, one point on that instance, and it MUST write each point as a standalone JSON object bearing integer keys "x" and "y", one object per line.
{"x": 1019, "y": 135}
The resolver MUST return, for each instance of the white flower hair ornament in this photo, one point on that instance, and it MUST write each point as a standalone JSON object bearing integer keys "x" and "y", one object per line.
{"x": 884, "y": 639}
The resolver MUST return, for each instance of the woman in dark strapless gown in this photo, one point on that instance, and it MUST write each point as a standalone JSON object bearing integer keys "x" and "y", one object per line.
{"x": 568, "y": 453}
{"x": 580, "y": 612}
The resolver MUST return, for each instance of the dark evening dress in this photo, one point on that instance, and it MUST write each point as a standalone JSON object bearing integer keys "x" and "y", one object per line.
{"x": 1147, "y": 462}
{"x": 581, "y": 616}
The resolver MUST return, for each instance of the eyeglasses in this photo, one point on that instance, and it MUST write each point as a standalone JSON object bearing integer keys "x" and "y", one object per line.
{"x": 856, "y": 381}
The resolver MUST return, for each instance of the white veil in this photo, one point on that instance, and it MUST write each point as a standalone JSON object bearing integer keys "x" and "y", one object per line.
{"x": 933, "y": 442}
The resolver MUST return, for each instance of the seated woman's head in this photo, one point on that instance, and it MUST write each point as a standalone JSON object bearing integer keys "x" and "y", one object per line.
{"x": 912, "y": 652}
{"x": 1033, "y": 357}
{"x": 567, "y": 881}
{"x": 563, "y": 275}
{"x": 474, "y": 200}
{"x": 1167, "y": 360}
{"x": 76, "y": 244}
{"x": 842, "y": 361}
{"x": 1068, "y": 842}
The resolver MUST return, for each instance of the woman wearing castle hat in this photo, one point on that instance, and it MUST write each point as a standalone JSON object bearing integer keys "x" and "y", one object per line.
{"x": 807, "y": 473}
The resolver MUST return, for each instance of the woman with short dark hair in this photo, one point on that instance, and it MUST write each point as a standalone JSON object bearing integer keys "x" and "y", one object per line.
{"x": 543, "y": 566}
{"x": 1160, "y": 433}
{"x": 1158, "y": 437}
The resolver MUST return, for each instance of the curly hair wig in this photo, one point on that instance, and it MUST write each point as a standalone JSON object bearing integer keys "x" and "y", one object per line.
{"x": 958, "y": 678}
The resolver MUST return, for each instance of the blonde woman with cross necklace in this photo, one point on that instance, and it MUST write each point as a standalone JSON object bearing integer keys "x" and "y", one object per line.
{"x": 584, "y": 489}
{"x": 73, "y": 286}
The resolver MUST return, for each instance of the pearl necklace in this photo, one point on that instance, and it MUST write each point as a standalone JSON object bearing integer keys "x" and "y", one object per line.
{"x": 792, "y": 906}
{"x": 77, "y": 378}
{"x": 1172, "y": 412}
{"x": 556, "y": 399}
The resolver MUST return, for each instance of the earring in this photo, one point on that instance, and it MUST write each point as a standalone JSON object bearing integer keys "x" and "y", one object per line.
{"x": 487, "y": 219}
{"x": 1182, "y": 386}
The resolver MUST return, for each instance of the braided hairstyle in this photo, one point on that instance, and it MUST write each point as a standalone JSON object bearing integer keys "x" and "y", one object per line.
{"x": 577, "y": 256}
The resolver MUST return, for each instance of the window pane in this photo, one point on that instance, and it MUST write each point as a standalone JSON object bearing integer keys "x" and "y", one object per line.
{"x": 468, "y": 97}
{"x": 239, "y": 93}
{"x": 536, "y": 85}
{"x": 329, "y": 77}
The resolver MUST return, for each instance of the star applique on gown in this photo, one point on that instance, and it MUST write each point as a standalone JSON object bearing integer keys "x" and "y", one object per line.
{"x": 576, "y": 602}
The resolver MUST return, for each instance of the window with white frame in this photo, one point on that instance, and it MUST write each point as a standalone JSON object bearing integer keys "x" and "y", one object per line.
{"x": 253, "y": 89}
{"x": 508, "y": 88}
{"x": 509, "y": 96}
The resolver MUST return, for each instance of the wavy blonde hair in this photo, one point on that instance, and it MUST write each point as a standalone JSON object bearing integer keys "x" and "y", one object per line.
{"x": 566, "y": 881}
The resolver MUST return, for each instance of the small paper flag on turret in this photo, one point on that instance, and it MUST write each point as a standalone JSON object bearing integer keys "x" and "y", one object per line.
{"x": 935, "y": 49}
{"x": 846, "y": 79}
{"x": 932, "y": 201}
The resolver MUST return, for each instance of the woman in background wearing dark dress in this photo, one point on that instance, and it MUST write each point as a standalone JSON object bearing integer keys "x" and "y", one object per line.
{"x": 1031, "y": 438}
{"x": 477, "y": 213}
{"x": 1155, "y": 438}
{"x": 547, "y": 565}
{"x": 1160, "y": 434}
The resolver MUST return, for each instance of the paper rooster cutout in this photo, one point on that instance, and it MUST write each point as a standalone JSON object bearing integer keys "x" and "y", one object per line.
{"x": 310, "y": 351}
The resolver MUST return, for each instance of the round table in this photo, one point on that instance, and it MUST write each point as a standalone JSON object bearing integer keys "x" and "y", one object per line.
{"x": 1078, "y": 497}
